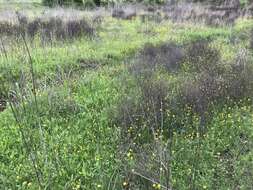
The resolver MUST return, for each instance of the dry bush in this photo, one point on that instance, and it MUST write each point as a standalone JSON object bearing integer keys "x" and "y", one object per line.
{"x": 10, "y": 29}
{"x": 151, "y": 58}
{"x": 48, "y": 29}
{"x": 214, "y": 83}
{"x": 33, "y": 27}
{"x": 59, "y": 29}
{"x": 146, "y": 111}
{"x": 98, "y": 18}
{"x": 239, "y": 81}
{"x": 202, "y": 57}
{"x": 3, "y": 104}
{"x": 118, "y": 13}
{"x": 248, "y": 11}
{"x": 215, "y": 16}
{"x": 143, "y": 120}
{"x": 150, "y": 167}
{"x": 221, "y": 17}
{"x": 148, "y": 130}
{"x": 77, "y": 28}
{"x": 153, "y": 89}
{"x": 155, "y": 16}
{"x": 23, "y": 20}
{"x": 184, "y": 12}
{"x": 54, "y": 28}
{"x": 127, "y": 13}
{"x": 251, "y": 39}
{"x": 5, "y": 28}
{"x": 211, "y": 82}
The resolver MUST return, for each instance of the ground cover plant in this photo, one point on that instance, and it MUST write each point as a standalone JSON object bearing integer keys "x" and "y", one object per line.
{"x": 133, "y": 101}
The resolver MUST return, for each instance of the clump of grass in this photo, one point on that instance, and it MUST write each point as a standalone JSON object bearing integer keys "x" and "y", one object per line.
{"x": 60, "y": 104}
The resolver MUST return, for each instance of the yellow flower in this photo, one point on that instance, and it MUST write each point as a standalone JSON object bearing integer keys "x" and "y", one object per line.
{"x": 24, "y": 183}
{"x": 99, "y": 185}
{"x": 124, "y": 183}
{"x": 156, "y": 186}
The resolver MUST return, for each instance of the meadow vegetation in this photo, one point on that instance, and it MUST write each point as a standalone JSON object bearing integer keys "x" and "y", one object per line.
{"x": 144, "y": 102}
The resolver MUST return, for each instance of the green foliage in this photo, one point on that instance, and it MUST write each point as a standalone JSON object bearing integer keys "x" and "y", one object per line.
{"x": 8, "y": 76}
{"x": 86, "y": 142}
{"x": 79, "y": 145}
{"x": 169, "y": 123}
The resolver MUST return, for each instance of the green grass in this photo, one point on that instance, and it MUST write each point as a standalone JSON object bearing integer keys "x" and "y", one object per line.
{"x": 76, "y": 112}
{"x": 116, "y": 41}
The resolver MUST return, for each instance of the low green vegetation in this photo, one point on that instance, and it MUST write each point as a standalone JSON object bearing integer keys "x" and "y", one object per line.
{"x": 137, "y": 105}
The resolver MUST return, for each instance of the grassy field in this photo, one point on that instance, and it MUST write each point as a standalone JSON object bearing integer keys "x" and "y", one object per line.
{"x": 136, "y": 105}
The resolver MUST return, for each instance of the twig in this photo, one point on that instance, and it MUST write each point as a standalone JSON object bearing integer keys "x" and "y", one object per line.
{"x": 149, "y": 179}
